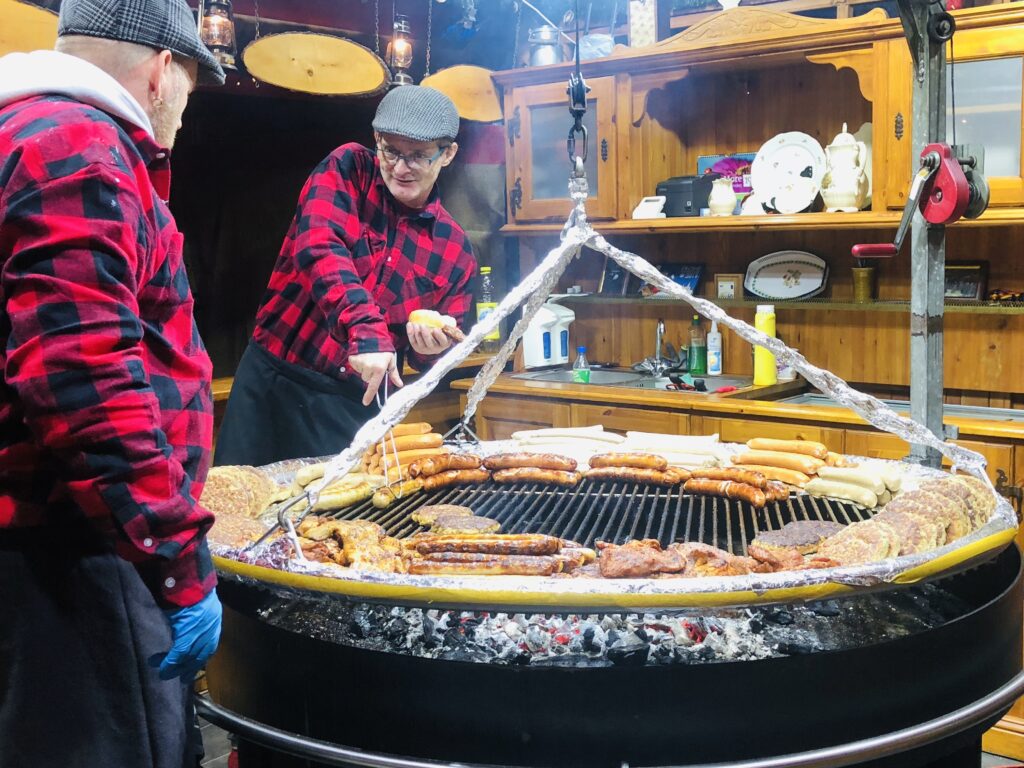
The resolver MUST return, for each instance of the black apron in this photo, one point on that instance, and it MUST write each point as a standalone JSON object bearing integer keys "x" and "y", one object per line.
{"x": 77, "y": 628}
{"x": 279, "y": 411}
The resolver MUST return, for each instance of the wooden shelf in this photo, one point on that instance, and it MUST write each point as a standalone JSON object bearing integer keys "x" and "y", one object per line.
{"x": 809, "y": 305}
{"x": 994, "y": 217}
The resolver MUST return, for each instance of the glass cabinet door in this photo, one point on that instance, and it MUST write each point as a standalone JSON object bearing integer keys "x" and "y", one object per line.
{"x": 538, "y": 167}
{"x": 988, "y": 98}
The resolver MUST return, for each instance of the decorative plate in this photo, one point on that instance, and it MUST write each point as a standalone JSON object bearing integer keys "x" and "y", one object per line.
{"x": 783, "y": 160}
{"x": 786, "y": 276}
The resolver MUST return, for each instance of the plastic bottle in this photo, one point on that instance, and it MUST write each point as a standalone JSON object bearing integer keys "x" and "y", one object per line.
{"x": 581, "y": 368}
{"x": 698, "y": 349}
{"x": 765, "y": 373}
{"x": 484, "y": 307}
{"x": 714, "y": 350}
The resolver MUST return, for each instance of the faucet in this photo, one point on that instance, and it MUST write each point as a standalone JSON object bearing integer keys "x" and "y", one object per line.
{"x": 658, "y": 334}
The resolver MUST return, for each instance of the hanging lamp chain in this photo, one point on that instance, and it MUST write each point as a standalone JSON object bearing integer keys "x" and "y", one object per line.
{"x": 515, "y": 43}
{"x": 256, "y": 16}
{"x": 430, "y": 29}
{"x": 376, "y": 27}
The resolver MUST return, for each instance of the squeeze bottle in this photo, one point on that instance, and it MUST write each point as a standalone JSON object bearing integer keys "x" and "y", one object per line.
{"x": 714, "y": 350}
{"x": 765, "y": 373}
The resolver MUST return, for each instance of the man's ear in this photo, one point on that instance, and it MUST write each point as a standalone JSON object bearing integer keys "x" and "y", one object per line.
{"x": 159, "y": 68}
{"x": 449, "y": 154}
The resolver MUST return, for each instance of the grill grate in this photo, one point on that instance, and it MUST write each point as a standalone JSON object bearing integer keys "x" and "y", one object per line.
{"x": 612, "y": 511}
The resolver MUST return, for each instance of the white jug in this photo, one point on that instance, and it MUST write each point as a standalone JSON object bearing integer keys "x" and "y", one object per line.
{"x": 845, "y": 185}
{"x": 722, "y": 200}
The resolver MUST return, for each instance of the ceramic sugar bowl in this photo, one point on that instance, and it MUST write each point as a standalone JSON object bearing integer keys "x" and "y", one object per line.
{"x": 845, "y": 185}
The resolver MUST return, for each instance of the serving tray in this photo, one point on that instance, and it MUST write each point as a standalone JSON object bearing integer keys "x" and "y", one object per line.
{"x": 786, "y": 276}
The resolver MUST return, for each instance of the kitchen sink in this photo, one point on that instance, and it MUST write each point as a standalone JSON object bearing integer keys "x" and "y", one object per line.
{"x": 712, "y": 382}
{"x": 597, "y": 376}
{"x": 902, "y": 406}
{"x": 634, "y": 380}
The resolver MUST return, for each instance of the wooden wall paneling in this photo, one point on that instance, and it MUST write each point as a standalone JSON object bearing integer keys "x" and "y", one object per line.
{"x": 499, "y": 416}
{"x": 740, "y": 430}
{"x": 880, "y": 445}
{"x": 630, "y": 184}
{"x": 620, "y": 419}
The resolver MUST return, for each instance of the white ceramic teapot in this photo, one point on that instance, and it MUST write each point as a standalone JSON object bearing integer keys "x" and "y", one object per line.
{"x": 845, "y": 185}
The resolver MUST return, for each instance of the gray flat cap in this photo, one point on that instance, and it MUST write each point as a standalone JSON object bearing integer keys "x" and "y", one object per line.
{"x": 418, "y": 113}
{"x": 159, "y": 24}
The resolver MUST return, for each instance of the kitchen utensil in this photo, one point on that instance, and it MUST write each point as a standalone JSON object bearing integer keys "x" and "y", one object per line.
{"x": 786, "y": 275}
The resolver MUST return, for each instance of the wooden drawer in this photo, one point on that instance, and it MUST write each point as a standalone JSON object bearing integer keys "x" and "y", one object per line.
{"x": 498, "y": 417}
{"x": 878, "y": 445}
{"x": 741, "y": 430}
{"x": 618, "y": 419}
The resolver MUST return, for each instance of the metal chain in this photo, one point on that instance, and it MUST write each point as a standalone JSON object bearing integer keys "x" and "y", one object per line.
{"x": 430, "y": 27}
{"x": 256, "y": 10}
{"x": 952, "y": 86}
{"x": 376, "y": 27}
{"x": 515, "y": 44}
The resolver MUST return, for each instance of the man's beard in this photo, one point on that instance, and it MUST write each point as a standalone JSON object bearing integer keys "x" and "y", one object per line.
{"x": 165, "y": 125}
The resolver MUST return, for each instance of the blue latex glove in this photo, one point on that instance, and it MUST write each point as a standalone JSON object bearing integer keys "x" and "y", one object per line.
{"x": 196, "y": 632}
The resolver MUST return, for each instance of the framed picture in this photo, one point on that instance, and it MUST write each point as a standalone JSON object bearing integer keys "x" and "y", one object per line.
{"x": 613, "y": 279}
{"x": 966, "y": 280}
{"x": 728, "y": 286}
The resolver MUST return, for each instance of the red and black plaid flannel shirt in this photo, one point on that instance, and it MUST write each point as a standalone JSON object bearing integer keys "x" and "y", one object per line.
{"x": 105, "y": 406}
{"x": 354, "y": 264}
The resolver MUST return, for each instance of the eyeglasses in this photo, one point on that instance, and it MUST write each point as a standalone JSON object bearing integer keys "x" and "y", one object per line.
{"x": 417, "y": 161}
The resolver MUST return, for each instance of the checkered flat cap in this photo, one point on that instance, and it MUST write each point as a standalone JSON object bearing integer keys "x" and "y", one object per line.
{"x": 159, "y": 24}
{"x": 417, "y": 112}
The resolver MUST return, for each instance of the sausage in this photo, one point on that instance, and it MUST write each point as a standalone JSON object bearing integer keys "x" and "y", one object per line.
{"x": 736, "y": 474}
{"x": 453, "y": 333}
{"x": 795, "y": 461}
{"x": 805, "y": 447}
{"x": 776, "y": 491}
{"x": 344, "y": 497}
{"x": 572, "y": 558}
{"x": 307, "y": 474}
{"x": 416, "y": 428}
{"x": 638, "y": 460}
{"x": 840, "y": 490}
{"x": 536, "y": 475}
{"x": 861, "y": 477}
{"x": 728, "y": 489}
{"x": 530, "y": 460}
{"x": 636, "y": 475}
{"x": 493, "y": 566}
{"x": 487, "y": 543}
{"x": 838, "y": 460}
{"x": 409, "y": 442}
{"x": 432, "y": 465}
{"x": 787, "y": 476}
{"x": 389, "y": 494}
{"x": 455, "y": 477}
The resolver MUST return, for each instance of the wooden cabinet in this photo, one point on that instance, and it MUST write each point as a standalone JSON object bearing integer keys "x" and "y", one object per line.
{"x": 619, "y": 419}
{"x": 884, "y": 446}
{"x": 987, "y": 67}
{"x": 740, "y": 430}
{"x": 537, "y": 123}
{"x": 499, "y": 416}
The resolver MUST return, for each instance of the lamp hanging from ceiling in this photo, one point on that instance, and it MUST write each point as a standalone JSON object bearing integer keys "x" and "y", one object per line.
{"x": 217, "y": 30}
{"x": 399, "y": 53}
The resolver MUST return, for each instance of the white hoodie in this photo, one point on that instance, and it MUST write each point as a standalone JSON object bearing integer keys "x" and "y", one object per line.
{"x": 49, "y": 72}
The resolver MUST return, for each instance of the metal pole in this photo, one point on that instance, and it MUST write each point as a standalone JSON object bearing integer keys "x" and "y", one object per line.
{"x": 928, "y": 243}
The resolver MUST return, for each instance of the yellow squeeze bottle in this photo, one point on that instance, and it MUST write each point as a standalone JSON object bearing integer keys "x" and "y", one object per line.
{"x": 765, "y": 373}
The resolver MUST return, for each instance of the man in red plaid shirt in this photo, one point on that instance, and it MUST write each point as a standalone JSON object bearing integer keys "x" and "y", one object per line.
{"x": 107, "y": 601}
{"x": 370, "y": 243}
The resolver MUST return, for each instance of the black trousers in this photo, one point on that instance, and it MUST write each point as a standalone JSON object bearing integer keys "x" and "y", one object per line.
{"x": 77, "y": 627}
{"x": 280, "y": 411}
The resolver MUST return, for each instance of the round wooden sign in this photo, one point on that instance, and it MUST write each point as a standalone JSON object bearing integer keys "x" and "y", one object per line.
{"x": 25, "y": 28}
{"x": 472, "y": 90}
{"x": 315, "y": 63}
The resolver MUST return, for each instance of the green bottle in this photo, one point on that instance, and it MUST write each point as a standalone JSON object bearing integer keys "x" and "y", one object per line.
{"x": 698, "y": 349}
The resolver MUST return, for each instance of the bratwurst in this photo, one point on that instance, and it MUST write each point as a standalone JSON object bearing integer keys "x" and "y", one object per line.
{"x": 728, "y": 489}
{"x": 536, "y": 475}
{"x": 530, "y": 460}
{"x": 637, "y": 475}
{"x": 455, "y": 477}
{"x": 638, "y": 460}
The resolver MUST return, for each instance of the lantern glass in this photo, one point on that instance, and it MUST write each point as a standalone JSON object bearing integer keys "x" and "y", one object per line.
{"x": 217, "y": 31}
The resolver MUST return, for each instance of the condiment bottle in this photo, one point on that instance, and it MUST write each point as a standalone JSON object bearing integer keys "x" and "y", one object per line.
{"x": 698, "y": 349}
{"x": 714, "y": 350}
{"x": 765, "y": 373}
